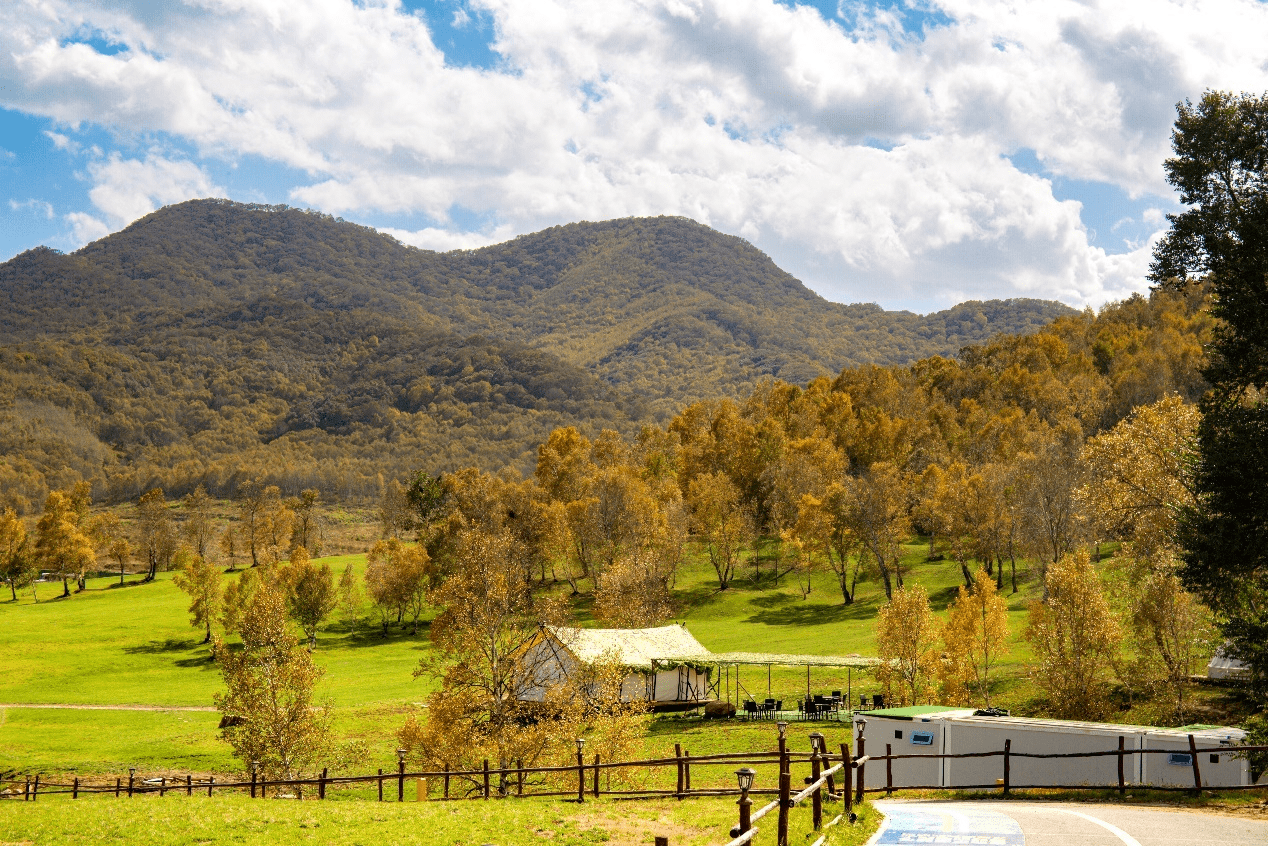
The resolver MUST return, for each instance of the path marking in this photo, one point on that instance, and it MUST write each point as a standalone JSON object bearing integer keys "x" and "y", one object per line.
{"x": 906, "y": 824}
{"x": 107, "y": 707}
{"x": 1112, "y": 829}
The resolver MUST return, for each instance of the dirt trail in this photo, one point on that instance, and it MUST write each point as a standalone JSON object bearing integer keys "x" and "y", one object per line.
{"x": 109, "y": 707}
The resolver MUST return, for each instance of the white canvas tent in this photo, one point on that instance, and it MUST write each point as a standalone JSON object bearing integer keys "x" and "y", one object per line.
{"x": 1221, "y": 666}
{"x": 667, "y": 667}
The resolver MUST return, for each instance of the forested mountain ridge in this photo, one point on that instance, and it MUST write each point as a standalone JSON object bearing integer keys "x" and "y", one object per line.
{"x": 212, "y": 340}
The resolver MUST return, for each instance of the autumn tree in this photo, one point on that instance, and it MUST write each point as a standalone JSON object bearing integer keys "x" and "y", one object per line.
{"x": 878, "y": 515}
{"x": 156, "y": 531}
{"x": 61, "y": 545}
{"x": 230, "y": 547}
{"x": 201, "y": 581}
{"x": 396, "y": 580}
{"x": 975, "y": 635}
{"x": 269, "y": 691}
{"x": 110, "y": 539}
{"x": 306, "y": 526}
{"x": 721, "y": 521}
{"x": 635, "y": 592}
{"x": 197, "y": 528}
{"x": 1074, "y": 637}
{"x": 394, "y": 510}
{"x": 1049, "y": 476}
{"x": 17, "y": 564}
{"x": 489, "y": 618}
{"x": 310, "y": 593}
{"x": 1173, "y": 632}
{"x": 906, "y": 637}
{"x": 238, "y": 594}
{"x": 349, "y": 597}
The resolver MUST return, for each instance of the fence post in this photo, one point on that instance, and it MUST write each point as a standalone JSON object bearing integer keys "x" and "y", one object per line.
{"x": 74, "y": 791}
{"x": 118, "y": 784}
{"x": 596, "y": 775}
{"x": 519, "y": 777}
{"x": 35, "y": 787}
{"x": 163, "y": 786}
{"x": 380, "y": 784}
{"x": 581, "y": 775}
{"x": 859, "y": 752}
{"x": 189, "y": 785}
{"x": 662, "y": 841}
{"x": 785, "y": 800}
{"x": 686, "y": 770}
{"x": 132, "y": 780}
{"x": 846, "y": 793}
{"x": 446, "y": 781}
{"x": 678, "y": 759}
{"x": 26, "y": 789}
{"x": 1008, "y": 765}
{"x": 321, "y": 783}
{"x": 1193, "y": 756}
{"x": 486, "y": 778}
{"x": 400, "y": 775}
{"x": 889, "y": 769}
{"x": 211, "y": 782}
{"x": 816, "y": 798}
{"x": 1122, "y": 788}
{"x": 254, "y": 764}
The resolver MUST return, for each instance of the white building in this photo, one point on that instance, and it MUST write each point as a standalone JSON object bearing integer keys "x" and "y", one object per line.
{"x": 932, "y": 730}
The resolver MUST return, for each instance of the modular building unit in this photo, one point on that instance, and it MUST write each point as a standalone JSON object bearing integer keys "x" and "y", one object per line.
{"x": 1042, "y": 737}
{"x": 1174, "y": 768}
{"x": 920, "y": 730}
{"x": 948, "y": 731}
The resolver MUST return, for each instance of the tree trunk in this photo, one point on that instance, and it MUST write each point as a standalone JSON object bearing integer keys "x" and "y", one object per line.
{"x": 207, "y": 639}
{"x": 999, "y": 573}
{"x": 889, "y": 588}
{"x": 1013, "y": 561}
{"x": 13, "y": 589}
{"x": 65, "y": 587}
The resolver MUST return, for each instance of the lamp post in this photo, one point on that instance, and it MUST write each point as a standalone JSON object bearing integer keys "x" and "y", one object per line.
{"x": 581, "y": 769}
{"x": 131, "y": 779}
{"x": 255, "y": 770}
{"x": 744, "y": 776}
{"x": 400, "y": 775}
{"x": 816, "y": 750}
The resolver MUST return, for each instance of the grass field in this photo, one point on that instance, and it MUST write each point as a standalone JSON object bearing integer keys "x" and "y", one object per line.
{"x": 182, "y": 821}
{"x": 132, "y": 645}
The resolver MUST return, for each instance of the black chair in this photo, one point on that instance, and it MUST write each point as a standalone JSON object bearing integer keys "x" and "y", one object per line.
{"x": 864, "y": 703}
{"x": 750, "y": 709}
{"x": 878, "y": 702}
{"x": 769, "y": 707}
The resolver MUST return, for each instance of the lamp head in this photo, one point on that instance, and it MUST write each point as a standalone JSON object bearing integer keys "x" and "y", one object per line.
{"x": 400, "y": 754}
{"x": 783, "y": 729}
{"x": 744, "y": 775}
{"x": 581, "y": 745}
{"x": 816, "y": 741}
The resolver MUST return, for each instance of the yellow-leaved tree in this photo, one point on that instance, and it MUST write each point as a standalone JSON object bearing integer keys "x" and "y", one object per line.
{"x": 975, "y": 635}
{"x": 906, "y": 637}
{"x": 201, "y": 580}
{"x": 1075, "y": 638}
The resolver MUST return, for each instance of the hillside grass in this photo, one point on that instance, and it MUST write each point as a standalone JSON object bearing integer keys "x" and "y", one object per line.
{"x": 132, "y": 645}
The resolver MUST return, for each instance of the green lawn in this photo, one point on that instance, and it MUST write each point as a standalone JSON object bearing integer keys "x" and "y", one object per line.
{"x": 132, "y": 645}
{"x": 181, "y": 821}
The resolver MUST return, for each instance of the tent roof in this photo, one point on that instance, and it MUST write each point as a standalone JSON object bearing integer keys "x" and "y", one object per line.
{"x": 631, "y": 647}
{"x": 784, "y": 660}
{"x": 639, "y": 648}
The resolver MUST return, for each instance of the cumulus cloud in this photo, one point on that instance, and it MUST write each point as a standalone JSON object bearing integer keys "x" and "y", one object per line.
{"x": 870, "y": 160}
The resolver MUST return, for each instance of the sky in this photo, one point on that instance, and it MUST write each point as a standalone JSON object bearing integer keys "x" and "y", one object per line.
{"x": 912, "y": 153}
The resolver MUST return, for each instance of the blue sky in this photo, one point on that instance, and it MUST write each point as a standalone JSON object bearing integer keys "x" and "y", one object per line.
{"x": 914, "y": 153}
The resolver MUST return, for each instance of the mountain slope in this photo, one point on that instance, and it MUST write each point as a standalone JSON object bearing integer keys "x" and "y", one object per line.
{"x": 210, "y": 341}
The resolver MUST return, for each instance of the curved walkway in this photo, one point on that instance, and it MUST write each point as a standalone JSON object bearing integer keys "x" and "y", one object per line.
{"x": 110, "y": 707}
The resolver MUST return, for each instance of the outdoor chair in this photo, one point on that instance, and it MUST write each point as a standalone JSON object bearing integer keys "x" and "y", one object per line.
{"x": 769, "y": 707}
{"x": 864, "y": 703}
{"x": 878, "y": 702}
{"x": 750, "y": 709}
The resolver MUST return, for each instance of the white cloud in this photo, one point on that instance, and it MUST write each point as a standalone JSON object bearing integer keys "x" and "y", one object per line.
{"x": 126, "y": 189}
{"x": 870, "y": 162}
{"x": 40, "y": 207}
{"x": 84, "y": 227}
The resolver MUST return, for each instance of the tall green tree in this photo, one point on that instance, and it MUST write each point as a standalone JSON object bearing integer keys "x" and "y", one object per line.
{"x": 1220, "y": 169}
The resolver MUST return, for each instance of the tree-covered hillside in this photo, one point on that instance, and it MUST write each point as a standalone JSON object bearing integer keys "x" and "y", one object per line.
{"x": 211, "y": 341}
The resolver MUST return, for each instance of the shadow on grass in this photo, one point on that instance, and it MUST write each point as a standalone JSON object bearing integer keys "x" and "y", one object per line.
{"x": 201, "y": 659}
{"x": 373, "y": 635}
{"x": 800, "y": 613}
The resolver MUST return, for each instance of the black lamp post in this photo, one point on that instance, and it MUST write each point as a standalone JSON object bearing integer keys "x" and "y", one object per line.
{"x": 581, "y": 769}
{"x": 131, "y": 779}
{"x": 744, "y": 776}
{"x": 400, "y": 775}
{"x": 816, "y": 742}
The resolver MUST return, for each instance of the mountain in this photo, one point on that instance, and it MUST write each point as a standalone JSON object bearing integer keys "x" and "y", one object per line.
{"x": 211, "y": 341}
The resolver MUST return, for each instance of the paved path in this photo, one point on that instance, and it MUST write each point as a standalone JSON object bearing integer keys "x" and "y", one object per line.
{"x": 110, "y": 707}
{"x": 1060, "y": 824}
